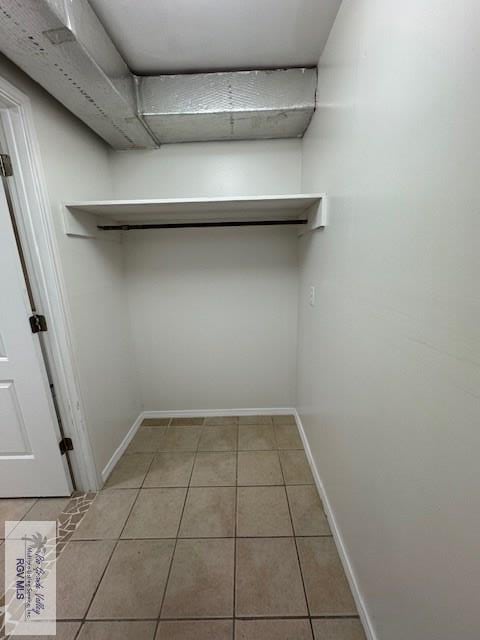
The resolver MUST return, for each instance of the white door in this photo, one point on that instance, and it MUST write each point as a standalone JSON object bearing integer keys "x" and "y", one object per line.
{"x": 30, "y": 460}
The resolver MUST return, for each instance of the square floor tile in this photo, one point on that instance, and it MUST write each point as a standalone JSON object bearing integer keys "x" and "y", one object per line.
{"x": 171, "y": 469}
{"x": 287, "y": 436}
{"x": 255, "y": 420}
{"x": 182, "y": 422}
{"x": 13, "y": 509}
{"x": 47, "y": 509}
{"x": 63, "y": 631}
{"x": 130, "y": 471}
{"x": 180, "y": 439}
{"x": 107, "y": 515}
{"x": 268, "y": 581}
{"x": 308, "y": 516}
{"x": 134, "y": 581}
{"x": 214, "y": 469}
{"x": 221, "y": 420}
{"x": 79, "y": 569}
{"x": 195, "y": 630}
{"x": 146, "y": 440}
{"x": 263, "y": 511}
{"x": 118, "y": 630}
{"x": 273, "y": 629}
{"x": 259, "y": 468}
{"x": 201, "y": 580}
{"x": 327, "y": 588}
{"x": 209, "y": 513}
{"x": 155, "y": 514}
{"x": 295, "y": 467}
{"x": 256, "y": 437}
{"x": 156, "y": 422}
{"x": 218, "y": 438}
{"x": 284, "y": 419}
{"x": 338, "y": 630}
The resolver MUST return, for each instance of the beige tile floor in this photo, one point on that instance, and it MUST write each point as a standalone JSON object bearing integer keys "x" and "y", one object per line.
{"x": 206, "y": 529}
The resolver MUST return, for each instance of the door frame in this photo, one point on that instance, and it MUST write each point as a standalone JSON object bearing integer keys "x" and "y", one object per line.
{"x": 37, "y": 232}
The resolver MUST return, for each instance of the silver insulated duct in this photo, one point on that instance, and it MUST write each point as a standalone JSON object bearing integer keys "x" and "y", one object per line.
{"x": 241, "y": 105}
{"x": 64, "y": 47}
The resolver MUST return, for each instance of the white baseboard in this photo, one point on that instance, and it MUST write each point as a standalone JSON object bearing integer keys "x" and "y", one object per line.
{"x": 121, "y": 448}
{"x": 342, "y": 552}
{"x": 209, "y": 413}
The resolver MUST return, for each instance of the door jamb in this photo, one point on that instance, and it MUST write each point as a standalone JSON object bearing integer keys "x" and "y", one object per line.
{"x": 38, "y": 234}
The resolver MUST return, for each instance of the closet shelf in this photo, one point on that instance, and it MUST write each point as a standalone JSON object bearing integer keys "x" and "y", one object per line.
{"x": 310, "y": 206}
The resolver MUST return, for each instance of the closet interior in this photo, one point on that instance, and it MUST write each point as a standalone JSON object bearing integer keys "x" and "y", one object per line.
{"x": 207, "y": 271}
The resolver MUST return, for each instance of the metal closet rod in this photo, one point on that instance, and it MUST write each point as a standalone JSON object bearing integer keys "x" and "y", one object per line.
{"x": 199, "y": 225}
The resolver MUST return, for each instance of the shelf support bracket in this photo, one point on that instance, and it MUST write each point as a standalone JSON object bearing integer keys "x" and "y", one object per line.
{"x": 317, "y": 216}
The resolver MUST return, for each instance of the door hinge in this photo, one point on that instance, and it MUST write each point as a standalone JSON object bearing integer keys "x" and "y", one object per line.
{"x": 6, "y": 169}
{"x": 65, "y": 445}
{"x": 38, "y": 323}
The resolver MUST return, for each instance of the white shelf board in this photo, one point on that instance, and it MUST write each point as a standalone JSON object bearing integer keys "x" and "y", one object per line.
{"x": 181, "y": 209}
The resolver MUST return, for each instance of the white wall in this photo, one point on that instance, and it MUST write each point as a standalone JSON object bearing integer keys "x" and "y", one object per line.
{"x": 214, "y": 317}
{"x": 213, "y": 312}
{"x": 208, "y": 169}
{"x": 389, "y": 375}
{"x": 76, "y": 166}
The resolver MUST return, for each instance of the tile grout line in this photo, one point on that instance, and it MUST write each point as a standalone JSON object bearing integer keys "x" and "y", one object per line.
{"x": 213, "y": 618}
{"x": 136, "y": 453}
{"x": 84, "y": 619}
{"x": 235, "y": 538}
{"x": 35, "y": 500}
{"x": 167, "y": 580}
{"x": 178, "y": 450}
{"x": 296, "y": 550}
{"x": 201, "y": 537}
{"x": 211, "y": 486}
{"x": 146, "y": 473}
